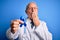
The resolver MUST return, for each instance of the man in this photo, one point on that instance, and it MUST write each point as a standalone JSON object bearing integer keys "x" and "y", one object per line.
{"x": 38, "y": 31}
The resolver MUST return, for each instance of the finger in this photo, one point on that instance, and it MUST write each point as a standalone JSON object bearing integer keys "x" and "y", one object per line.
{"x": 17, "y": 21}
{"x": 33, "y": 15}
{"x": 14, "y": 30}
{"x": 20, "y": 21}
{"x": 15, "y": 26}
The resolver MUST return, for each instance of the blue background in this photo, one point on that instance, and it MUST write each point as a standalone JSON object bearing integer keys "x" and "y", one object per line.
{"x": 49, "y": 11}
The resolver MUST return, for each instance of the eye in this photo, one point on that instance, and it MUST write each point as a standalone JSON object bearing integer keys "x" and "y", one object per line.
{"x": 29, "y": 8}
{"x": 35, "y": 8}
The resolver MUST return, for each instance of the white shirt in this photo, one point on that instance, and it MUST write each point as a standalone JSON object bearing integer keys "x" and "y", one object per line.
{"x": 36, "y": 33}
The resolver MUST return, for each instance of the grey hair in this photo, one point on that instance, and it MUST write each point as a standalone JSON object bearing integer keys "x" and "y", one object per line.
{"x": 28, "y": 5}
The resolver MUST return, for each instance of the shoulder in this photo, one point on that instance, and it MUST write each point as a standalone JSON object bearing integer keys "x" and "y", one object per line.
{"x": 42, "y": 22}
{"x": 44, "y": 25}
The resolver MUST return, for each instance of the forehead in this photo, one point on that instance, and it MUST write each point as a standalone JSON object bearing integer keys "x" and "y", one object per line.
{"x": 32, "y": 5}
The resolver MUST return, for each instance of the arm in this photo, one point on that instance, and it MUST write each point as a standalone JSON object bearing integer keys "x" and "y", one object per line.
{"x": 14, "y": 31}
{"x": 43, "y": 32}
{"x": 10, "y": 35}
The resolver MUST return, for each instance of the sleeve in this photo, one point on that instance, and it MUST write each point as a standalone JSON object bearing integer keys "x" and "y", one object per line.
{"x": 42, "y": 32}
{"x": 12, "y": 36}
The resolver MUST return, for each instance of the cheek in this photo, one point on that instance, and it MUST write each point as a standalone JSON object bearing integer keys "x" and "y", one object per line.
{"x": 29, "y": 11}
{"x": 29, "y": 15}
{"x": 36, "y": 11}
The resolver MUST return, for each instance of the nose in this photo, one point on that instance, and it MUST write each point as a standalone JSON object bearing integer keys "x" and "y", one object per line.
{"x": 32, "y": 9}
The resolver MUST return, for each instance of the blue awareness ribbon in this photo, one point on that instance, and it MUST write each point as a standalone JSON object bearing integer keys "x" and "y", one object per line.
{"x": 22, "y": 18}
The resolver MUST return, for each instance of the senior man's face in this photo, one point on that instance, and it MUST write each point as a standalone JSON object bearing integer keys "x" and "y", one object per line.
{"x": 32, "y": 8}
